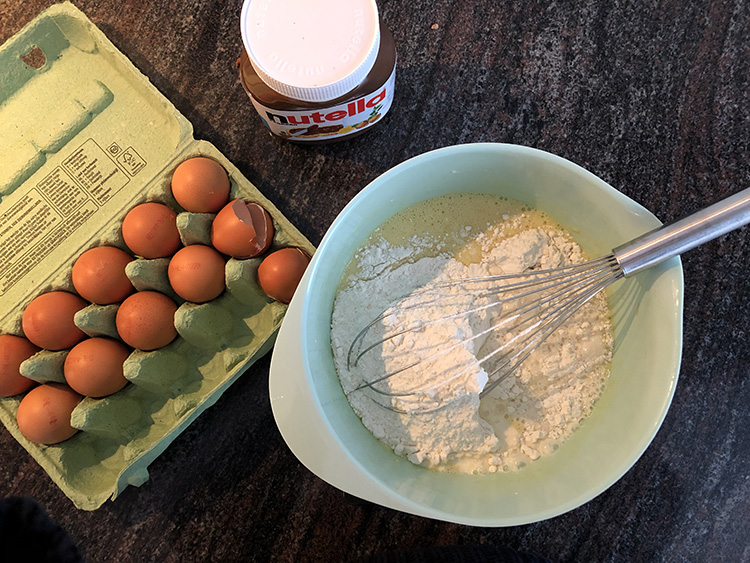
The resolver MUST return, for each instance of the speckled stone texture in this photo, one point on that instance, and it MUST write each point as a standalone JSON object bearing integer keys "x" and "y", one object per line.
{"x": 650, "y": 96}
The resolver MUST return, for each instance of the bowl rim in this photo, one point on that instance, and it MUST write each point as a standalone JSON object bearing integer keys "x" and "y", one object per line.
{"x": 303, "y": 304}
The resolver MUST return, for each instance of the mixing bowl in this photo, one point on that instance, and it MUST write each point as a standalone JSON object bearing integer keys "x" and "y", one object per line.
{"x": 321, "y": 429}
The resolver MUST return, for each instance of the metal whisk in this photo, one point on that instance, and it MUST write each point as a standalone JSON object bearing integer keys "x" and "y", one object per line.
{"x": 527, "y": 307}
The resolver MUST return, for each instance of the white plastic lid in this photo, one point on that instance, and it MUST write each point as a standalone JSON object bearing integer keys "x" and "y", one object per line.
{"x": 311, "y": 50}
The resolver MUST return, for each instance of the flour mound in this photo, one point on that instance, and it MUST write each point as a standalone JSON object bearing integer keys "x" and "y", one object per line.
{"x": 431, "y": 412}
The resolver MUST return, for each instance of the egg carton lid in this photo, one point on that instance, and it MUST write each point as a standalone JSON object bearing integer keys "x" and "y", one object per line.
{"x": 84, "y": 137}
{"x": 83, "y": 134}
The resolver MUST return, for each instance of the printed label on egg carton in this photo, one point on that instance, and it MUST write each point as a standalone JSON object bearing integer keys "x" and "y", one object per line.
{"x": 69, "y": 184}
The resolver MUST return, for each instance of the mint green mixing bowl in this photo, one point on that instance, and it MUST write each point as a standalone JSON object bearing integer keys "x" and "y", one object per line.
{"x": 647, "y": 314}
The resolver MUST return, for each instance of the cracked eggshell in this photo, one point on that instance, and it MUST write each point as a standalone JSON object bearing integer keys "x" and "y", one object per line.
{"x": 242, "y": 230}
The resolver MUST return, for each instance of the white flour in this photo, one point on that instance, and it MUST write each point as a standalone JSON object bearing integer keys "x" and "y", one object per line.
{"x": 527, "y": 416}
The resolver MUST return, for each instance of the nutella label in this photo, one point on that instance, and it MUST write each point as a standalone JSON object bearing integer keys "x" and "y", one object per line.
{"x": 331, "y": 122}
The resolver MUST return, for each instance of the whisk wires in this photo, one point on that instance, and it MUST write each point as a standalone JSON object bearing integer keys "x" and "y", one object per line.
{"x": 531, "y": 306}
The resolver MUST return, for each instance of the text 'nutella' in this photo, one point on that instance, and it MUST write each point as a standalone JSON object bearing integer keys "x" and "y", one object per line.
{"x": 317, "y": 71}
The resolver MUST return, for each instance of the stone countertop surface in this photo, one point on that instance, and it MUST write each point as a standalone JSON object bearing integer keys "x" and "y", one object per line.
{"x": 653, "y": 97}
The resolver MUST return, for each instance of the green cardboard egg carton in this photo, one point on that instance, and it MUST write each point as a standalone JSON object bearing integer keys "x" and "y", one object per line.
{"x": 84, "y": 137}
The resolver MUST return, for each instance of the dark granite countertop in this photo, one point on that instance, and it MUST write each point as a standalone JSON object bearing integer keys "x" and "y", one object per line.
{"x": 653, "y": 97}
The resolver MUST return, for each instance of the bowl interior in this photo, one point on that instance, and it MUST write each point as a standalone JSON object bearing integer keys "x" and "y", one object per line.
{"x": 647, "y": 312}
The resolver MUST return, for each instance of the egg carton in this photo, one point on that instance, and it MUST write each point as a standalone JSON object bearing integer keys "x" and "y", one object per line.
{"x": 85, "y": 137}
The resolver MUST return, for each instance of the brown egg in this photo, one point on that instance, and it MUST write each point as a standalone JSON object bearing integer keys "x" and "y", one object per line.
{"x": 280, "y": 273}
{"x": 150, "y": 230}
{"x": 99, "y": 275}
{"x": 94, "y": 367}
{"x": 48, "y": 320}
{"x": 14, "y": 350}
{"x": 44, "y": 413}
{"x": 242, "y": 230}
{"x": 145, "y": 320}
{"x": 196, "y": 273}
{"x": 200, "y": 185}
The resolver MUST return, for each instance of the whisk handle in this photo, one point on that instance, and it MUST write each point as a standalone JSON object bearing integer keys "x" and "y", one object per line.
{"x": 675, "y": 238}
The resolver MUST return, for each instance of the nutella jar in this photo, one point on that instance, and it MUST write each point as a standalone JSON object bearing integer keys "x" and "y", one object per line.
{"x": 317, "y": 71}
